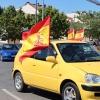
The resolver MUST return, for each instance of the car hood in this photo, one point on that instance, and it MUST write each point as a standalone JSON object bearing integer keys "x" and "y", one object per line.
{"x": 88, "y": 67}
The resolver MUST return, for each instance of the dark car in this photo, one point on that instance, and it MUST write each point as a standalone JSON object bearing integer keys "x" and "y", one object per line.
{"x": 8, "y": 51}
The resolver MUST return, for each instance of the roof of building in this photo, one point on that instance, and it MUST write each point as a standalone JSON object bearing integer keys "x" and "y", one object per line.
{"x": 30, "y": 8}
{"x": 34, "y": 5}
{"x": 72, "y": 17}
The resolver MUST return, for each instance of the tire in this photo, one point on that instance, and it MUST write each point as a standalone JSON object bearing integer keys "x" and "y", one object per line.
{"x": 70, "y": 92}
{"x": 1, "y": 58}
{"x": 19, "y": 83}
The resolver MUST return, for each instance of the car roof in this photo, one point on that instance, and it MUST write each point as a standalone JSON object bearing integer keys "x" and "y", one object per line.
{"x": 66, "y": 41}
{"x": 56, "y": 41}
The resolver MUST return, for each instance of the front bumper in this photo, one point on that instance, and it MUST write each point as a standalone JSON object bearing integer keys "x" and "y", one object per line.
{"x": 91, "y": 88}
{"x": 89, "y": 91}
{"x": 7, "y": 58}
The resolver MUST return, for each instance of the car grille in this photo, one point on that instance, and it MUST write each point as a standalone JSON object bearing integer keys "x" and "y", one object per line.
{"x": 13, "y": 53}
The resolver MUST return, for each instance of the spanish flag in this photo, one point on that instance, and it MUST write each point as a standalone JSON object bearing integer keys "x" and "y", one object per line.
{"x": 79, "y": 35}
{"x": 25, "y": 35}
{"x": 71, "y": 34}
{"x": 36, "y": 39}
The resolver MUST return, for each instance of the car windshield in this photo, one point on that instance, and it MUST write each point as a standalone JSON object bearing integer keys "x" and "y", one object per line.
{"x": 19, "y": 45}
{"x": 9, "y": 47}
{"x": 78, "y": 52}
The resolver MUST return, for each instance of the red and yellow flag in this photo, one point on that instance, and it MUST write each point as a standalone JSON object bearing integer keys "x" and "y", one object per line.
{"x": 36, "y": 39}
{"x": 71, "y": 34}
{"x": 79, "y": 35}
{"x": 25, "y": 35}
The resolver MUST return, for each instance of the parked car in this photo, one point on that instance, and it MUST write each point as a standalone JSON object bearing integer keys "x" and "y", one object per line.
{"x": 95, "y": 44}
{"x": 70, "y": 68}
{"x": 19, "y": 45}
{"x": 90, "y": 42}
{"x": 8, "y": 51}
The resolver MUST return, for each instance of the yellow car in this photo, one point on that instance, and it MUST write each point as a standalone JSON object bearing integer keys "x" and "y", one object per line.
{"x": 69, "y": 68}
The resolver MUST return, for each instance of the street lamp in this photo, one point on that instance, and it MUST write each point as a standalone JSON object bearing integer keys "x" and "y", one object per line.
{"x": 42, "y": 9}
{"x": 36, "y": 13}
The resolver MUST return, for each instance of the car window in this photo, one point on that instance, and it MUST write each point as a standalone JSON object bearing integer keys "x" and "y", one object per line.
{"x": 42, "y": 54}
{"x": 53, "y": 49}
{"x": 19, "y": 45}
{"x": 77, "y": 52}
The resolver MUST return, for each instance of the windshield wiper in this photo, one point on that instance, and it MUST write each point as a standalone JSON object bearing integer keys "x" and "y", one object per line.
{"x": 77, "y": 61}
{"x": 85, "y": 61}
{"x": 92, "y": 60}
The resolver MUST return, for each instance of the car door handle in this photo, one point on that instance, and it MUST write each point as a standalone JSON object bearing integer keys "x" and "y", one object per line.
{"x": 34, "y": 65}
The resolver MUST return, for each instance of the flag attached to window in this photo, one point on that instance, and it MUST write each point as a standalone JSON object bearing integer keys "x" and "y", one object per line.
{"x": 36, "y": 39}
{"x": 71, "y": 34}
{"x": 79, "y": 35}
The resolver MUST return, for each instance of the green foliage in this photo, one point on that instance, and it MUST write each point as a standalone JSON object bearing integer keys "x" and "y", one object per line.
{"x": 13, "y": 23}
{"x": 1, "y": 10}
{"x": 59, "y": 25}
{"x": 90, "y": 21}
{"x": 29, "y": 21}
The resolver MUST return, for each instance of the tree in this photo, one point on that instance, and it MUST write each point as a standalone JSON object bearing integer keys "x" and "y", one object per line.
{"x": 6, "y": 20}
{"x": 1, "y": 11}
{"x": 59, "y": 24}
{"x": 90, "y": 21}
{"x": 23, "y": 23}
{"x": 29, "y": 21}
{"x": 14, "y": 22}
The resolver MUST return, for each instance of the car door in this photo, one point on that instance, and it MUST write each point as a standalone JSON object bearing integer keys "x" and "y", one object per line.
{"x": 44, "y": 74}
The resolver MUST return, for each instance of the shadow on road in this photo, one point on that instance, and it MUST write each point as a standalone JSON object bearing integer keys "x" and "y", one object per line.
{"x": 43, "y": 93}
{"x": 7, "y": 61}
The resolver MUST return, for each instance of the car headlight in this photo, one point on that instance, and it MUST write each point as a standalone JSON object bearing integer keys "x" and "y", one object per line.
{"x": 92, "y": 78}
{"x": 6, "y": 54}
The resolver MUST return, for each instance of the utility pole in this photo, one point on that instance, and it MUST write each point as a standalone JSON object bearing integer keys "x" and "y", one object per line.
{"x": 36, "y": 13}
{"x": 42, "y": 9}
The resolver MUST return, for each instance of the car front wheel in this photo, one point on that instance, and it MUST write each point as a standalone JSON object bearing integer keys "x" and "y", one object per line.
{"x": 19, "y": 83}
{"x": 70, "y": 92}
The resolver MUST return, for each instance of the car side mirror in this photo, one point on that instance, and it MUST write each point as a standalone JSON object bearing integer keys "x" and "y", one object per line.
{"x": 51, "y": 59}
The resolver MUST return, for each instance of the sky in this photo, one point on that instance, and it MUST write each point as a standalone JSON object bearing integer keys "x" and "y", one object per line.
{"x": 66, "y": 6}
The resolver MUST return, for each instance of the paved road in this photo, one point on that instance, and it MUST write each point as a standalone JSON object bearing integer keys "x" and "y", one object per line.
{"x": 8, "y": 92}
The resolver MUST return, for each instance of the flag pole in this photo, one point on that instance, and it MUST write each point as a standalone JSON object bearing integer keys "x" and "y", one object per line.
{"x": 42, "y": 9}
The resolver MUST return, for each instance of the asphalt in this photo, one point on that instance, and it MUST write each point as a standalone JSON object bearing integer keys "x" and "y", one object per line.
{"x": 8, "y": 91}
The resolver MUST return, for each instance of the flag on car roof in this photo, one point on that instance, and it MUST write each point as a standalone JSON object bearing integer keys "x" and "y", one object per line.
{"x": 36, "y": 39}
{"x": 79, "y": 35}
{"x": 71, "y": 34}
